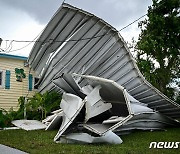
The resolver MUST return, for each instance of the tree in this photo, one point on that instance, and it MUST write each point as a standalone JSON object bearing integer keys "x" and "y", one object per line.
{"x": 158, "y": 46}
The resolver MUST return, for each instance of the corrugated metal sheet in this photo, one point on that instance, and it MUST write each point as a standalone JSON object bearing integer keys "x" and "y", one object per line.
{"x": 75, "y": 41}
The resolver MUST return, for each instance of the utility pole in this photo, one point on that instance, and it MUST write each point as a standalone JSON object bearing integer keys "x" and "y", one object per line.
{"x": 25, "y": 102}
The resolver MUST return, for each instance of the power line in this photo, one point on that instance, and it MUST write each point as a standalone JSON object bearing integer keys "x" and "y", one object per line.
{"x": 132, "y": 22}
{"x": 11, "y": 41}
{"x": 53, "y": 41}
{"x": 18, "y": 48}
{"x": 50, "y": 40}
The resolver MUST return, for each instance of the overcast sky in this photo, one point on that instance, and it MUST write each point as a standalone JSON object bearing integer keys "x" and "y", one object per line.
{"x": 25, "y": 19}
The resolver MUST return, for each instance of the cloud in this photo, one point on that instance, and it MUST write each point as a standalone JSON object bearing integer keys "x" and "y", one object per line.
{"x": 11, "y": 20}
{"x": 24, "y": 19}
{"x": 115, "y": 12}
{"x": 40, "y": 10}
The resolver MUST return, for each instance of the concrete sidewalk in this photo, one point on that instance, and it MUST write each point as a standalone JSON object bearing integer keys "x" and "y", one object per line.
{"x": 8, "y": 150}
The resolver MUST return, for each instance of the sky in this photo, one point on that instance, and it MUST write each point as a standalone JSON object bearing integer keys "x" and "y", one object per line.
{"x": 24, "y": 20}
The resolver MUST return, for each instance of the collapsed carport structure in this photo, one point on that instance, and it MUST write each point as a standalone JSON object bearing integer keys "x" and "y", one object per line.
{"x": 75, "y": 41}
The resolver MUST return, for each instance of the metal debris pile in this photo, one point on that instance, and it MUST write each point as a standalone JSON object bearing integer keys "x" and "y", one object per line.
{"x": 99, "y": 112}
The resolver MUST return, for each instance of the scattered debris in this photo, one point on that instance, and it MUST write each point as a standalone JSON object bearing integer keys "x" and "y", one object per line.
{"x": 53, "y": 121}
{"x": 29, "y": 124}
{"x": 108, "y": 137}
{"x": 11, "y": 128}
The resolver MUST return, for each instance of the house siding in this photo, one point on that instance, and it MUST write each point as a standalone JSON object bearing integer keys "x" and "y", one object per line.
{"x": 9, "y": 97}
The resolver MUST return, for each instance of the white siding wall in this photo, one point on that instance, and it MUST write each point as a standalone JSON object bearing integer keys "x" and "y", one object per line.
{"x": 9, "y": 97}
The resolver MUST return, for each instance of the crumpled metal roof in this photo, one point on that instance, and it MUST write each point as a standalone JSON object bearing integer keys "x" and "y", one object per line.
{"x": 105, "y": 108}
{"x": 75, "y": 41}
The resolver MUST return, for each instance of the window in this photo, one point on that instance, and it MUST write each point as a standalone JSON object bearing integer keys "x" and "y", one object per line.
{"x": 35, "y": 83}
{"x": 1, "y": 78}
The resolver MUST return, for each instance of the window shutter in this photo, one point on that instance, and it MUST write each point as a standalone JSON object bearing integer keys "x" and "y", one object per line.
{"x": 30, "y": 82}
{"x": 7, "y": 82}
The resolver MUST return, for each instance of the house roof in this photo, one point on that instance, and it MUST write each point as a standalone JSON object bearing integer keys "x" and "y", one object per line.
{"x": 3, "y": 55}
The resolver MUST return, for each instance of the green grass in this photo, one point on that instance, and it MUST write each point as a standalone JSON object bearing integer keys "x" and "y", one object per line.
{"x": 41, "y": 141}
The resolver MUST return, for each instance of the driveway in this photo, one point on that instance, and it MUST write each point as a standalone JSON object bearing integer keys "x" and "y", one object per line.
{"x": 8, "y": 150}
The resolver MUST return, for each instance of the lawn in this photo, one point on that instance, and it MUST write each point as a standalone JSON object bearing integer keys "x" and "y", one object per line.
{"x": 41, "y": 141}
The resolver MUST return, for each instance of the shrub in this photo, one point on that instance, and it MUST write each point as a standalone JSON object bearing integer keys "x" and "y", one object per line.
{"x": 5, "y": 120}
{"x": 40, "y": 105}
{"x": 37, "y": 108}
{"x": 7, "y": 116}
